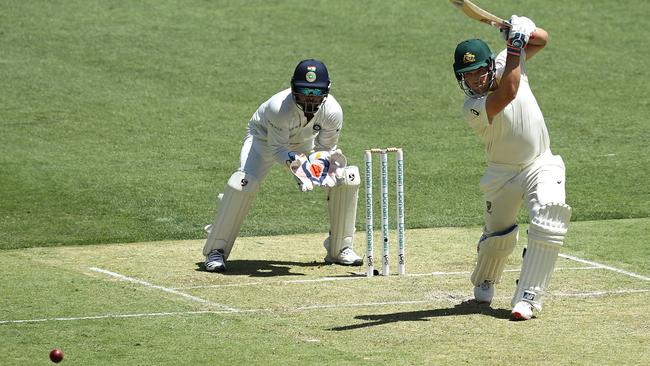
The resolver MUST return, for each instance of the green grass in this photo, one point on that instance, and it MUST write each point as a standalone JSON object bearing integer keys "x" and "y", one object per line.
{"x": 122, "y": 121}
{"x": 294, "y": 310}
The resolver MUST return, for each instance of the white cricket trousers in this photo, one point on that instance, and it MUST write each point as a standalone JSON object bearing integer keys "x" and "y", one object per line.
{"x": 505, "y": 187}
{"x": 256, "y": 158}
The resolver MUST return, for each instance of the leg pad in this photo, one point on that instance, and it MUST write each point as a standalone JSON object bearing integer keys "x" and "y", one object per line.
{"x": 235, "y": 203}
{"x": 342, "y": 210}
{"x": 493, "y": 252}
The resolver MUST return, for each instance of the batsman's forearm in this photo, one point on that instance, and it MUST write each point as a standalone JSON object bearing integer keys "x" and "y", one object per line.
{"x": 538, "y": 38}
{"x": 511, "y": 76}
{"x": 507, "y": 88}
{"x": 536, "y": 42}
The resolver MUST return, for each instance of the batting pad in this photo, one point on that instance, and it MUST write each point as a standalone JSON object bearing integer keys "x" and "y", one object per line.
{"x": 342, "y": 210}
{"x": 493, "y": 252}
{"x": 545, "y": 237}
{"x": 233, "y": 207}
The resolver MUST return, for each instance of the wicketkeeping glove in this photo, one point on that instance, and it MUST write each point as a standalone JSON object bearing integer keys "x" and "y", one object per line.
{"x": 321, "y": 168}
{"x": 300, "y": 166}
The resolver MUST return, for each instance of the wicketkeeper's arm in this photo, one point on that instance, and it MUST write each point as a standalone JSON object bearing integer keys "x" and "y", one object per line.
{"x": 328, "y": 137}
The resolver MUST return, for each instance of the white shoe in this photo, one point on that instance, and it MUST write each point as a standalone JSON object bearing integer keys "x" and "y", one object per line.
{"x": 214, "y": 262}
{"x": 484, "y": 293}
{"x": 346, "y": 257}
{"x": 522, "y": 310}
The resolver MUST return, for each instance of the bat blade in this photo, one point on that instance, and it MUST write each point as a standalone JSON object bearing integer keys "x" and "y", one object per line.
{"x": 473, "y": 11}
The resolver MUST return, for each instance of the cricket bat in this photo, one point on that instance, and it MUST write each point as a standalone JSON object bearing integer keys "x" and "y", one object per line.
{"x": 473, "y": 11}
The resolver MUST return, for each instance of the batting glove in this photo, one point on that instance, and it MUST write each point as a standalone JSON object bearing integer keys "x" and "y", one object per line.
{"x": 516, "y": 43}
{"x": 524, "y": 25}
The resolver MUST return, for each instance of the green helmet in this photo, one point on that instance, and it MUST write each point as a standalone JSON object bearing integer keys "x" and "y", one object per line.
{"x": 470, "y": 55}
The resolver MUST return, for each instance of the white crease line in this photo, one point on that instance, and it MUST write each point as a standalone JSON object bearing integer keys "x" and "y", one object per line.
{"x": 631, "y": 274}
{"x": 325, "y": 279}
{"x": 597, "y": 293}
{"x": 450, "y": 297}
{"x": 169, "y": 290}
{"x": 363, "y": 305}
{"x": 357, "y": 276}
{"x": 111, "y": 316}
{"x": 437, "y": 274}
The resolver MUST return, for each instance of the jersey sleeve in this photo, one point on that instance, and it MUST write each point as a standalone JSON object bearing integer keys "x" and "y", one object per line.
{"x": 268, "y": 122}
{"x": 278, "y": 140}
{"x": 500, "y": 63}
{"x": 474, "y": 112}
{"x": 330, "y": 131}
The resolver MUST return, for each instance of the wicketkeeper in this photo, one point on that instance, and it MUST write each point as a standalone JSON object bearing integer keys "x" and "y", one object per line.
{"x": 501, "y": 109}
{"x": 299, "y": 129}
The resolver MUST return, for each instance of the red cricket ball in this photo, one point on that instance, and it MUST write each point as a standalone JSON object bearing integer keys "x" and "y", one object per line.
{"x": 56, "y": 355}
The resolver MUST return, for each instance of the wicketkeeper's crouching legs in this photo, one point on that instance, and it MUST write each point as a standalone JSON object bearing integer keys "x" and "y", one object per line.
{"x": 342, "y": 210}
{"x": 545, "y": 237}
{"x": 235, "y": 203}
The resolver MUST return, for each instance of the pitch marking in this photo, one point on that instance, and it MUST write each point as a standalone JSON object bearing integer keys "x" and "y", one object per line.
{"x": 450, "y": 297}
{"x": 169, "y": 290}
{"x": 599, "y": 265}
{"x": 357, "y": 276}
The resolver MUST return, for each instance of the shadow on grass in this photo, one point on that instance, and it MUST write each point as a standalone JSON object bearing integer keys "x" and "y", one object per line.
{"x": 262, "y": 268}
{"x": 469, "y": 307}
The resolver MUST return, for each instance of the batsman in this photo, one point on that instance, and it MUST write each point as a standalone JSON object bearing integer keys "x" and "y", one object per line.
{"x": 501, "y": 108}
{"x": 298, "y": 128}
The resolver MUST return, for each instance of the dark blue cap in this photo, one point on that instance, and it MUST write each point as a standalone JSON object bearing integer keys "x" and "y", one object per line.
{"x": 311, "y": 74}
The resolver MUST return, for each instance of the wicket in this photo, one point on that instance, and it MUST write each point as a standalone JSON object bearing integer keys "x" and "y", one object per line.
{"x": 399, "y": 183}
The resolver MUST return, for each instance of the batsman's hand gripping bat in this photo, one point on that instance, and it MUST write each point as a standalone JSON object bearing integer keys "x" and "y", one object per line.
{"x": 474, "y": 12}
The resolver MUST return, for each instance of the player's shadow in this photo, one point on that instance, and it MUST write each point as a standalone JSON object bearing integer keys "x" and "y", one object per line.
{"x": 469, "y": 307}
{"x": 262, "y": 268}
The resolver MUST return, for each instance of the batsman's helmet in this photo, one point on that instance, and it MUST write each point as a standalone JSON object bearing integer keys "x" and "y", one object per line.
{"x": 470, "y": 55}
{"x": 310, "y": 85}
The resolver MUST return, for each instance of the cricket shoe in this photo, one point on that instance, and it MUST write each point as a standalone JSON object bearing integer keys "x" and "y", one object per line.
{"x": 215, "y": 262}
{"x": 346, "y": 257}
{"x": 522, "y": 310}
{"x": 484, "y": 293}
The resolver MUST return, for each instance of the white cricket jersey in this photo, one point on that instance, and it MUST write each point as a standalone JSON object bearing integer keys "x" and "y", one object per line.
{"x": 518, "y": 133}
{"x": 281, "y": 126}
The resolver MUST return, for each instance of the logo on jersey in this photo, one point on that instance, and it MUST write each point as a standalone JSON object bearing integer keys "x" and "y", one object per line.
{"x": 310, "y": 76}
{"x": 474, "y": 111}
{"x": 317, "y": 128}
{"x": 488, "y": 207}
{"x": 244, "y": 182}
{"x": 468, "y": 58}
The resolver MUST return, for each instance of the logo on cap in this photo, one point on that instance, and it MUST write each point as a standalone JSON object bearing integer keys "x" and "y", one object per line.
{"x": 311, "y": 74}
{"x": 469, "y": 58}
